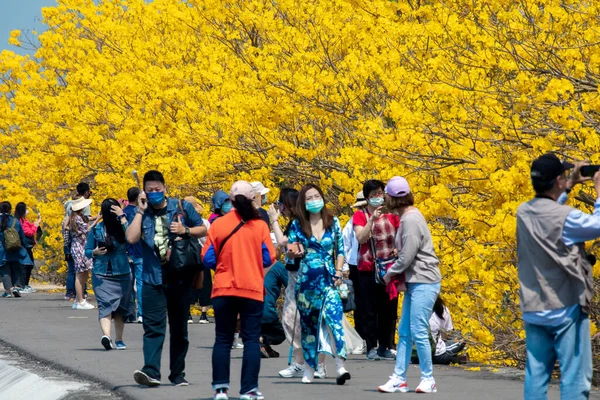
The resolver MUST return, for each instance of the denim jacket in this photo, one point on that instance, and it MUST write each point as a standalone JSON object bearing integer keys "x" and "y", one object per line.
{"x": 117, "y": 257}
{"x": 21, "y": 256}
{"x": 152, "y": 271}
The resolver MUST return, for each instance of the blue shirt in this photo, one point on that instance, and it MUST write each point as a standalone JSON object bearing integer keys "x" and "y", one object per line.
{"x": 117, "y": 257}
{"x": 133, "y": 250}
{"x": 579, "y": 227}
{"x": 152, "y": 271}
{"x": 275, "y": 278}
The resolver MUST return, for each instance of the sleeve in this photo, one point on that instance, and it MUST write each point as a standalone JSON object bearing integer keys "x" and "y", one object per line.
{"x": 337, "y": 228}
{"x": 580, "y": 227}
{"x": 29, "y": 229}
{"x": 90, "y": 245}
{"x": 359, "y": 219}
{"x": 347, "y": 234}
{"x": 67, "y": 241}
{"x": 268, "y": 250}
{"x": 19, "y": 228}
{"x": 448, "y": 325}
{"x": 193, "y": 219}
{"x": 209, "y": 255}
{"x": 410, "y": 236}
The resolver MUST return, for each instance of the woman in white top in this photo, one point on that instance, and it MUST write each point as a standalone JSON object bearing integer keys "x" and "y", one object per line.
{"x": 440, "y": 325}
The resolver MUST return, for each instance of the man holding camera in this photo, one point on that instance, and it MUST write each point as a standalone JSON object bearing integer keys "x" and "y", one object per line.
{"x": 556, "y": 280}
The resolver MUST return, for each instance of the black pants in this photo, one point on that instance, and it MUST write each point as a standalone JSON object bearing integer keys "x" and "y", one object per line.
{"x": 226, "y": 310}
{"x": 159, "y": 301}
{"x": 358, "y": 318}
{"x": 27, "y": 269}
{"x": 273, "y": 333}
{"x": 379, "y": 314}
{"x": 12, "y": 275}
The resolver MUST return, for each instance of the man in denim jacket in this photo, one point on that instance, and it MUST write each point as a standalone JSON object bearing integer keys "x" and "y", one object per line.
{"x": 157, "y": 220}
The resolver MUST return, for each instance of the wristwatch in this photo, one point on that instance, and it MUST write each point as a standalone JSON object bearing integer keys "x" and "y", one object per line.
{"x": 187, "y": 231}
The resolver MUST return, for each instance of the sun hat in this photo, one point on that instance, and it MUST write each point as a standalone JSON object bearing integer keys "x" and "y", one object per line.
{"x": 242, "y": 188}
{"x": 260, "y": 188}
{"x": 397, "y": 187}
{"x": 360, "y": 200}
{"x": 80, "y": 203}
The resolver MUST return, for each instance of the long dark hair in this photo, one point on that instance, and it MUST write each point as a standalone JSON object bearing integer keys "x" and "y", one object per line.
{"x": 288, "y": 197}
{"x": 303, "y": 215}
{"x": 20, "y": 211}
{"x": 114, "y": 229}
{"x": 5, "y": 209}
{"x": 245, "y": 208}
{"x": 438, "y": 307}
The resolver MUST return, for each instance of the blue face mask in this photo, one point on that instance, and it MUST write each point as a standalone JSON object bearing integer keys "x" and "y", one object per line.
{"x": 376, "y": 201}
{"x": 226, "y": 207}
{"x": 315, "y": 206}
{"x": 155, "y": 198}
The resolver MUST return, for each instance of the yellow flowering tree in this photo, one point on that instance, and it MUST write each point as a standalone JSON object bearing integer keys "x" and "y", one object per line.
{"x": 459, "y": 96}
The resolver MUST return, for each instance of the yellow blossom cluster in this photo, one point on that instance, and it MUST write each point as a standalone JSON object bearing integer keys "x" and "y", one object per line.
{"x": 458, "y": 96}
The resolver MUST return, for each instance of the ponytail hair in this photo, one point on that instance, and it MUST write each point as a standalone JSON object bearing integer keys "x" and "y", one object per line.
{"x": 245, "y": 208}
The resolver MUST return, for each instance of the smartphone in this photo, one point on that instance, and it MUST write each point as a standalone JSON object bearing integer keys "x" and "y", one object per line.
{"x": 295, "y": 247}
{"x": 589, "y": 170}
{"x": 101, "y": 245}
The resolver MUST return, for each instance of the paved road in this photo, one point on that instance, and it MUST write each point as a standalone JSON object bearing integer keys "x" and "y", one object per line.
{"x": 45, "y": 326}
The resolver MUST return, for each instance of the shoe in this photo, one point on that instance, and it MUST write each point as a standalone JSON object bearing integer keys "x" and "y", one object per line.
{"x": 342, "y": 376}
{"x": 6, "y": 295}
{"x": 84, "y": 305}
{"x": 69, "y": 297}
{"x": 394, "y": 385}
{"x": 120, "y": 345}
{"x": 386, "y": 355}
{"x": 27, "y": 289}
{"x": 372, "y": 355}
{"x": 321, "y": 372}
{"x": 180, "y": 381}
{"x": 143, "y": 379}
{"x": 309, "y": 375}
{"x": 203, "y": 319}
{"x": 427, "y": 386}
{"x": 362, "y": 349}
{"x": 293, "y": 371}
{"x": 237, "y": 345}
{"x": 106, "y": 342}
{"x": 272, "y": 353}
{"x": 15, "y": 292}
{"x": 263, "y": 352}
{"x": 190, "y": 320}
{"x": 253, "y": 395}
{"x": 221, "y": 394}
{"x": 140, "y": 320}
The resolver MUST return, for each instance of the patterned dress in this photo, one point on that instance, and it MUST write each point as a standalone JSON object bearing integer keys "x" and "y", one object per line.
{"x": 76, "y": 242}
{"x": 319, "y": 303}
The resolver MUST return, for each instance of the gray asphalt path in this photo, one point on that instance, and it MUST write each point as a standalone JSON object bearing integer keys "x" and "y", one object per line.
{"x": 45, "y": 327}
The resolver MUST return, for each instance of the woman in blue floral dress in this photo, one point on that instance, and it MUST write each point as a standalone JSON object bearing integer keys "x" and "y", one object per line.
{"x": 322, "y": 252}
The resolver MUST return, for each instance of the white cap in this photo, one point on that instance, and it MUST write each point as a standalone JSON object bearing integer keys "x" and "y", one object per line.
{"x": 260, "y": 188}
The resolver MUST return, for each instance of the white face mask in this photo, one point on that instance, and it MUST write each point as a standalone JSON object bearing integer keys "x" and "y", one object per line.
{"x": 376, "y": 201}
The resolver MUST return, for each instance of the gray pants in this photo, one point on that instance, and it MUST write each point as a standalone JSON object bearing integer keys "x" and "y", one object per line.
{"x": 12, "y": 275}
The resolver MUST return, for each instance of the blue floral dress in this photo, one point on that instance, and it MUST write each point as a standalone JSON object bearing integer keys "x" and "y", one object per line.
{"x": 319, "y": 303}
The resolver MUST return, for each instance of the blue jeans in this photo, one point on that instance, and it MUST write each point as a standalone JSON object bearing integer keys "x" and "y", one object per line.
{"x": 71, "y": 277}
{"x": 569, "y": 342}
{"x": 137, "y": 266}
{"x": 417, "y": 307}
{"x": 226, "y": 310}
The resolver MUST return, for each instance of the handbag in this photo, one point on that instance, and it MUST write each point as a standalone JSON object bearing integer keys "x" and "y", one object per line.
{"x": 381, "y": 265}
{"x": 185, "y": 252}
{"x": 349, "y": 302}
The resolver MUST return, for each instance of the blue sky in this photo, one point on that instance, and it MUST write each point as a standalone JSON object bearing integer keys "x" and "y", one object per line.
{"x": 20, "y": 14}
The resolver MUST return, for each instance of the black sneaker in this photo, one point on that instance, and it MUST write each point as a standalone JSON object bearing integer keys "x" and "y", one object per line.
{"x": 15, "y": 292}
{"x": 180, "y": 381}
{"x": 203, "y": 319}
{"x": 142, "y": 378}
{"x": 190, "y": 320}
{"x": 272, "y": 353}
{"x": 106, "y": 342}
{"x": 263, "y": 352}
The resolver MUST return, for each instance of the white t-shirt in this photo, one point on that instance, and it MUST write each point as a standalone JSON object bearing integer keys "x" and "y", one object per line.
{"x": 437, "y": 326}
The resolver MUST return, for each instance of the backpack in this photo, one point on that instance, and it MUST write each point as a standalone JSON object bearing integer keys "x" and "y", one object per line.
{"x": 12, "y": 241}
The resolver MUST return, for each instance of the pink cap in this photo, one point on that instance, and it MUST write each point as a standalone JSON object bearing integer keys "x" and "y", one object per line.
{"x": 242, "y": 188}
{"x": 397, "y": 187}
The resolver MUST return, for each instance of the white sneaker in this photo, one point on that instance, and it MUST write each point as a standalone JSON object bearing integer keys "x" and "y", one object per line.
{"x": 394, "y": 385}
{"x": 84, "y": 305}
{"x": 427, "y": 386}
{"x": 140, "y": 320}
{"x": 309, "y": 375}
{"x": 321, "y": 372}
{"x": 362, "y": 349}
{"x": 237, "y": 345}
{"x": 342, "y": 376}
{"x": 293, "y": 371}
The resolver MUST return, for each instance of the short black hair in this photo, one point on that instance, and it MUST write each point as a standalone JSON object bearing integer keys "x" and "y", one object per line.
{"x": 83, "y": 188}
{"x": 153, "y": 176}
{"x": 372, "y": 185}
{"x": 542, "y": 186}
{"x": 133, "y": 194}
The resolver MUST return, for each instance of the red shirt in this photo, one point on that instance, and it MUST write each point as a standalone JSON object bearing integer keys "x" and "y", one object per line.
{"x": 384, "y": 235}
